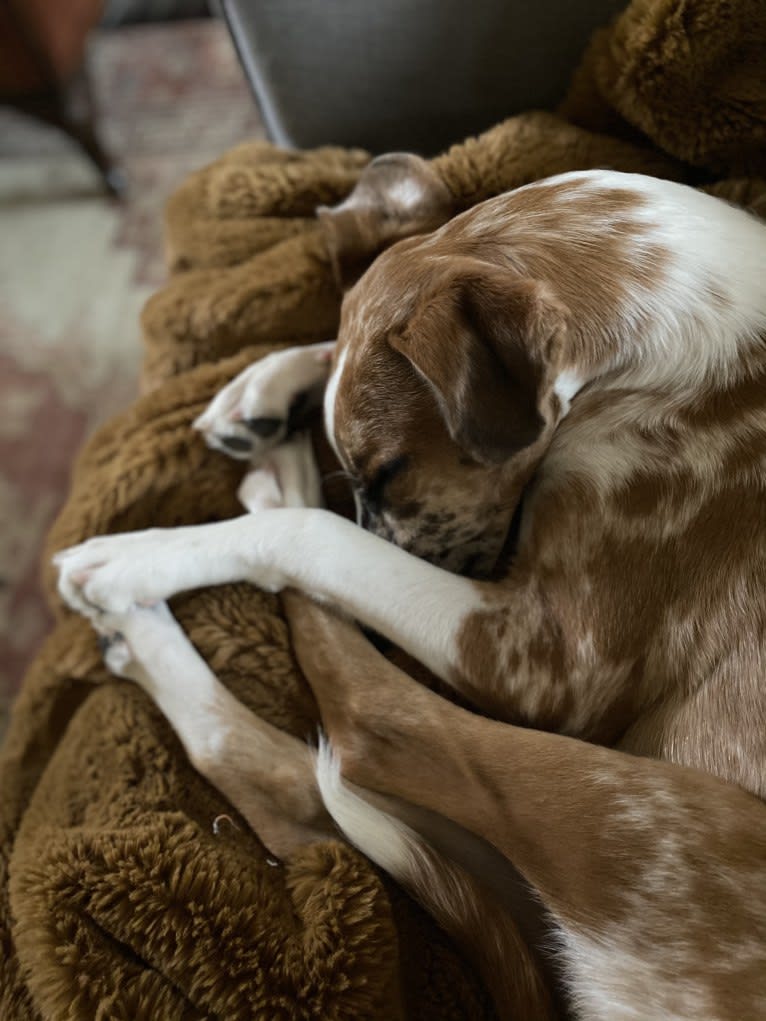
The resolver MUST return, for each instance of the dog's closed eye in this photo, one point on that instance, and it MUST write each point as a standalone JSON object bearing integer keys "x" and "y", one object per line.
{"x": 372, "y": 492}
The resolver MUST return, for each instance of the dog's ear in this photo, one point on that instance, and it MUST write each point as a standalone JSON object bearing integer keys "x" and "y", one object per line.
{"x": 486, "y": 344}
{"x": 397, "y": 195}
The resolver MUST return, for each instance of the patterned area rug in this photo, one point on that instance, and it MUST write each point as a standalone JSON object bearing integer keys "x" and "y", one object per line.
{"x": 75, "y": 269}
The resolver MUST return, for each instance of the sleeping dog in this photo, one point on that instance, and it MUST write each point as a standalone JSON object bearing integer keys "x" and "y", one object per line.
{"x": 552, "y": 412}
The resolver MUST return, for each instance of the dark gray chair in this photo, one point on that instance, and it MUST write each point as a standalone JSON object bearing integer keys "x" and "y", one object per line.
{"x": 406, "y": 74}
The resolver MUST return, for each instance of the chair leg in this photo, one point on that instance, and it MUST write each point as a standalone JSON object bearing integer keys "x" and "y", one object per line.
{"x": 84, "y": 134}
{"x": 71, "y": 109}
{"x": 77, "y": 118}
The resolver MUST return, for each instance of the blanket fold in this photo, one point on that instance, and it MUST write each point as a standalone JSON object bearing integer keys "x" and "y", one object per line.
{"x": 118, "y": 897}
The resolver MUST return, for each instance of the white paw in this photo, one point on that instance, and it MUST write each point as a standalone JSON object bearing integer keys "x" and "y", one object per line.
{"x": 113, "y": 573}
{"x": 129, "y": 639}
{"x": 260, "y": 490}
{"x": 288, "y": 477}
{"x": 259, "y": 408}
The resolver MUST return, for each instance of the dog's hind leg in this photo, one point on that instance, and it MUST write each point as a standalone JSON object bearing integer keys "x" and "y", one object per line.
{"x": 478, "y": 915}
{"x": 266, "y": 774}
{"x": 269, "y": 777}
{"x": 653, "y": 873}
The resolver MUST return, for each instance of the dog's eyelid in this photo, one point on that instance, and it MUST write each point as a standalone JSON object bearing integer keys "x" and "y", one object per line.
{"x": 373, "y": 490}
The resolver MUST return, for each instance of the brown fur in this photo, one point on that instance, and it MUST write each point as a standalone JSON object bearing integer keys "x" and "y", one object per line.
{"x": 453, "y": 289}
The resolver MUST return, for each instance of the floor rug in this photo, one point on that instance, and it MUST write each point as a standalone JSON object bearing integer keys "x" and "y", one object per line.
{"x": 75, "y": 269}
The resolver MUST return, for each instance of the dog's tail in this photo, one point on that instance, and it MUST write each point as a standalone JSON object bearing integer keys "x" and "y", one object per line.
{"x": 481, "y": 927}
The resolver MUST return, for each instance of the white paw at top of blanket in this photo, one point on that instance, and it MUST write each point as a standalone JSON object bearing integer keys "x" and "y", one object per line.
{"x": 258, "y": 409}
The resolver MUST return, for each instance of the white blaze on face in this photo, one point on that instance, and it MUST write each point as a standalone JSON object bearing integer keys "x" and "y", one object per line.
{"x": 330, "y": 394}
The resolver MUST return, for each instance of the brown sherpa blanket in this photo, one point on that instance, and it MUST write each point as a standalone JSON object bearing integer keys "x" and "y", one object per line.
{"x": 117, "y": 898}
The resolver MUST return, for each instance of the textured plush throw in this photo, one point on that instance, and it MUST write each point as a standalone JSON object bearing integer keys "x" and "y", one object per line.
{"x": 118, "y": 897}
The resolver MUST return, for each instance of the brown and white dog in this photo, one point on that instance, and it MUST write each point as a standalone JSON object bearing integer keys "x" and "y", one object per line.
{"x": 552, "y": 412}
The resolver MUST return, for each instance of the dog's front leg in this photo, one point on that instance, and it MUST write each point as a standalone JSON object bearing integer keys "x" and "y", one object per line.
{"x": 428, "y": 612}
{"x": 267, "y": 774}
{"x": 433, "y": 615}
{"x": 420, "y": 607}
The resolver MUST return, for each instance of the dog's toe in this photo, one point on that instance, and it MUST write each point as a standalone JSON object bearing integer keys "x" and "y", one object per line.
{"x": 246, "y": 439}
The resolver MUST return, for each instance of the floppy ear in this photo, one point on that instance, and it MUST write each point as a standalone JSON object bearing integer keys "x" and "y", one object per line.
{"x": 397, "y": 195}
{"x": 485, "y": 343}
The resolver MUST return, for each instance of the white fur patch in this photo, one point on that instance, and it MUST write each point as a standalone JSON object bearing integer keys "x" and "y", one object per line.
{"x": 610, "y": 982}
{"x": 711, "y": 299}
{"x": 330, "y": 395}
{"x": 392, "y": 844}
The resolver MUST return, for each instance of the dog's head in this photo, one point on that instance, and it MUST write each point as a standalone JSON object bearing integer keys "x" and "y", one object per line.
{"x": 441, "y": 400}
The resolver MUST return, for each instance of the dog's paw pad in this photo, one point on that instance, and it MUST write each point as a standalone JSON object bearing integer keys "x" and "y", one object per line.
{"x": 235, "y": 446}
{"x": 265, "y": 428}
{"x": 116, "y": 653}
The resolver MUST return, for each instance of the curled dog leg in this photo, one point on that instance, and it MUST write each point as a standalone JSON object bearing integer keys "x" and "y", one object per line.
{"x": 429, "y": 858}
{"x": 300, "y": 546}
{"x": 266, "y": 774}
{"x": 479, "y": 922}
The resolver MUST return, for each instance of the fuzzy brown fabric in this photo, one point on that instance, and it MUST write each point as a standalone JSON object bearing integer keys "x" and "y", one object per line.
{"x": 117, "y": 899}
